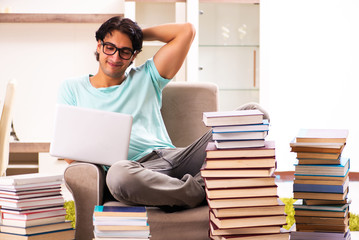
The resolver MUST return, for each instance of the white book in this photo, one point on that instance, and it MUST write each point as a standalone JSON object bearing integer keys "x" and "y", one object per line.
{"x": 239, "y": 135}
{"x": 242, "y": 117}
{"x": 242, "y": 128}
{"x": 31, "y": 202}
{"x": 34, "y": 222}
{"x": 37, "y": 215}
{"x": 30, "y": 178}
{"x": 239, "y": 144}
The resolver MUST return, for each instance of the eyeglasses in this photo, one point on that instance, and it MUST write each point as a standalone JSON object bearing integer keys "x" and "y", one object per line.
{"x": 110, "y": 49}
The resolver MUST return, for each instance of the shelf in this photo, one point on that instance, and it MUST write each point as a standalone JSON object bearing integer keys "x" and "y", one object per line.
{"x": 239, "y": 89}
{"x": 232, "y": 1}
{"x": 29, "y": 147}
{"x": 156, "y": 1}
{"x": 215, "y": 1}
{"x": 229, "y": 46}
{"x": 55, "y": 18}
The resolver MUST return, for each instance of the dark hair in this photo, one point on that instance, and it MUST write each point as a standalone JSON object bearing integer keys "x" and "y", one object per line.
{"x": 124, "y": 25}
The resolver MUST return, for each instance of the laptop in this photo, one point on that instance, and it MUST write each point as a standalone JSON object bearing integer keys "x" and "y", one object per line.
{"x": 90, "y": 135}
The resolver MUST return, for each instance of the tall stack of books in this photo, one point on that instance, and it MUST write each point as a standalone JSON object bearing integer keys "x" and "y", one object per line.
{"x": 321, "y": 185}
{"x": 32, "y": 207}
{"x": 239, "y": 177}
{"x": 120, "y": 222}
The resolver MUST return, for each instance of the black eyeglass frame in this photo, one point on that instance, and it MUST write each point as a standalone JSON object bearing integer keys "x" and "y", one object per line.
{"x": 119, "y": 50}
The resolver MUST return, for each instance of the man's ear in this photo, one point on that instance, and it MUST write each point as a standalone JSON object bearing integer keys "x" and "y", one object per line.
{"x": 98, "y": 46}
{"x": 135, "y": 55}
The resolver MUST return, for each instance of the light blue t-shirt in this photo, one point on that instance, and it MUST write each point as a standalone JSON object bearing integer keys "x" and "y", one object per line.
{"x": 139, "y": 95}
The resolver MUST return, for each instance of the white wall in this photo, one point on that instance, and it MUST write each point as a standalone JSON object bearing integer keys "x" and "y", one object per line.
{"x": 309, "y": 57}
{"x": 62, "y": 6}
{"x": 309, "y": 70}
{"x": 39, "y": 56}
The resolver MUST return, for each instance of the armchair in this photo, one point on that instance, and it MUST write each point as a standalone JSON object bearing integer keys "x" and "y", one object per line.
{"x": 5, "y": 124}
{"x": 182, "y": 108}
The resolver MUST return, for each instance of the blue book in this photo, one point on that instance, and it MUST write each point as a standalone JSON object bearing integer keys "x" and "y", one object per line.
{"x": 321, "y": 188}
{"x": 325, "y": 170}
{"x": 300, "y": 204}
{"x": 262, "y": 127}
{"x": 120, "y": 211}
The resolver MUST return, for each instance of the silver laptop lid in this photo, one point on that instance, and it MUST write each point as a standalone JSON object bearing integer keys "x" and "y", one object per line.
{"x": 90, "y": 135}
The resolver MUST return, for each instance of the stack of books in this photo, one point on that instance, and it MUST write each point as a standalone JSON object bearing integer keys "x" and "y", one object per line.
{"x": 321, "y": 184}
{"x": 120, "y": 222}
{"x": 249, "y": 130}
{"x": 32, "y": 207}
{"x": 239, "y": 177}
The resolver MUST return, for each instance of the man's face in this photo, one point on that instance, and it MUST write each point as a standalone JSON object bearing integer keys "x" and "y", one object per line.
{"x": 113, "y": 65}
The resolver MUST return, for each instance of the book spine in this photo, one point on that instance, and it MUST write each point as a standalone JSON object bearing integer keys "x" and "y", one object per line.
{"x": 318, "y": 188}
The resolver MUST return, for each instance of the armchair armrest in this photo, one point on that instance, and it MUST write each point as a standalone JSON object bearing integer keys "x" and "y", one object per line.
{"x": 86, "y": 183}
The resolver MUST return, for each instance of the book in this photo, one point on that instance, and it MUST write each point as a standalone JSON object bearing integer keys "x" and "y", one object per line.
{"x": 317, "y": 147}
{"x": 267, "y": 151}
{"x": 241, "y": 192}
{"x": 264, "y": 126}
{"x": 322, "y": 227}
{"x": 33, "y": 215}
{"x": 316, "y": 155}
{"x": 322, "y": 135}
{"x": 322, "y": 178}
{"x": 36, "y": 229}
{"x": 30, "y": 211}
{"x": 32, "y": 186}
{"x": 119, "y": 238}
{"x": 320, "y": 220}
{"x": 320, "y": 235}
{"x": 249, "y": 211}
{"x": 120, "y": 228}
{"x": 40, "y": 201}
{"x": 326, "y": 202}
{"x": 67, "y": 234}
{"x": 300, "y": 204}
{"x": 31, "y": 194}
{"x": 123, "y": 234}
{"x": 242, "y": 202}
{"x": 33, "y": 222}
{"x": 120, "y": 221}
{"x": 215, "y": 231}
{"x": 244, "y": 172}
{"x": 120, "y": 211}
{"x": 225, "y": 144}
{"x": 275, "y": 236}
{"x": 304, "y": 161}
{"x": 229, "y": 163}
{"x": 297, "y": 187}
{"x": 32, "y": 178}
{"x": 239, "y": 135}
{"x": 26, "y": 208}
{"x": 335, "y": 181}
{"x": 238, "y": 222}
{"x": 319, "y": 213}
{"x": 212, "y": 183}
{"x": 339, "y": 170}
{"x": 242, "y": 117}
{"x": 322, "y": 196}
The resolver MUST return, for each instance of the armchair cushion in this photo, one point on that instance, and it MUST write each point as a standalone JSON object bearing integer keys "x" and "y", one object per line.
{"x": 182, "y": 108}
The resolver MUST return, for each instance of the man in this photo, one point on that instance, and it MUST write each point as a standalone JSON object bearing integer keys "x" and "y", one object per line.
{"x": 157, "y": 173}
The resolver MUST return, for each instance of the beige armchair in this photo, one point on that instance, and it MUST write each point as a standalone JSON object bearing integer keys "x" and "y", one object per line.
{"x": 5, "y": 125}
{"x": 182, "y": 108}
